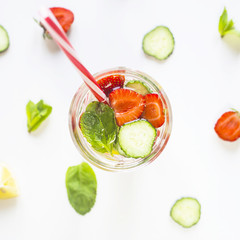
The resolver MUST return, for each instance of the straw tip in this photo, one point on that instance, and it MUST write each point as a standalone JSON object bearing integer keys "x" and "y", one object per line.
{"x": 44, "y": 12}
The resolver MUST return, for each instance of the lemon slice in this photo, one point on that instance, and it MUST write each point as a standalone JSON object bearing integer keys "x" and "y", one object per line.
{"x": 8, "y": 188}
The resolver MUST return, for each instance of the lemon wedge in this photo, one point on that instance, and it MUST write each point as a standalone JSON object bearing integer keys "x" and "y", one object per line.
{"x": 8, "y": 188}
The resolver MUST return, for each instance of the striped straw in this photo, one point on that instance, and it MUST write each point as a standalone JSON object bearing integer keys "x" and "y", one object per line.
{"x": 51, "y": 24}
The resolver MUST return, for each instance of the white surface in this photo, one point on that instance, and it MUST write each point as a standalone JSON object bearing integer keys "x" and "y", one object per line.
{"x": 201, "y": 79}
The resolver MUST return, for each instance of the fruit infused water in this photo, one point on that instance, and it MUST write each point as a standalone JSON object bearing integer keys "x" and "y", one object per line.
{"x": 131, "y": 130}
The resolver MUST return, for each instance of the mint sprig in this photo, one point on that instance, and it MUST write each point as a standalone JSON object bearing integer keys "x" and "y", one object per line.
{"x": 225, "y": 26}
{"x": 99, "y": 127}
{"x": 36, "y": 114}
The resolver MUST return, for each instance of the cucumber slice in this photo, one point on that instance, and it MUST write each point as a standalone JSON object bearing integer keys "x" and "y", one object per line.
{"x": 159, "y": 43}
{"x": 136, "y": 138}
{"x": 4, "y": 39}
{"x": 120, "y": 151}
{"x": 186, "y": 212}
{"x": 138, "y": 87}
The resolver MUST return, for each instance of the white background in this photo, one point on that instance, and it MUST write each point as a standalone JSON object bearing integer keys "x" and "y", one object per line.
{"x": 201, "y": 79}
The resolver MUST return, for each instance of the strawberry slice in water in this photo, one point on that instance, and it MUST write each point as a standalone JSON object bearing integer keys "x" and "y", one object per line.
{"x": 154, "y": 110}
{"x": 108, "y": 84}
{"x": 127, "y": 105}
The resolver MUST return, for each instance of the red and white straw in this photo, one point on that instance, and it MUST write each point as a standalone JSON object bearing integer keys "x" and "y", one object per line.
{"x": 51, "y": 24}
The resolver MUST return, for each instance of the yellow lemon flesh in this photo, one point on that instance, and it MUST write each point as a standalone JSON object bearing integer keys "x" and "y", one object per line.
{"x": 8, "y": 188}
{"x": 115, "y": 152}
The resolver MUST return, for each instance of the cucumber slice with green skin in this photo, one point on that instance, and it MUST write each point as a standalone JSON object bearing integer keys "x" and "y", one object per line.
{"x": 120, "y": 151}
{"x": 4, "y": 39}
{"x": 138, "y": 87}
{"x": 159, "y": 43}
{"x": 136, "y": 138}
{"x": 186, "y": 212}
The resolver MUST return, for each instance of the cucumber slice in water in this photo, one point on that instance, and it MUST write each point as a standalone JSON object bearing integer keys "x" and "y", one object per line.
{"x": 119, "y": 150}
{"x": 186, "y": 212}
{"x": 4, "y": 39}
{"x": 136, "y": 138}
{"x": 138, "y": 87}
{"x": 158, "y": 43}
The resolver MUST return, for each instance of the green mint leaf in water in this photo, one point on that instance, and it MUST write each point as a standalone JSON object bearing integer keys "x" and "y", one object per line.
{"x": 81, "y": 184}
{"x": 99, "y": 127}
{"x": 224, "y": 25}
{"x": 36, "y": 114}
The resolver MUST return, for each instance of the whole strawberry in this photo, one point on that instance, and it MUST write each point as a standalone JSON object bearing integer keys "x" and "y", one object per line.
{"x": 228, "y": 126}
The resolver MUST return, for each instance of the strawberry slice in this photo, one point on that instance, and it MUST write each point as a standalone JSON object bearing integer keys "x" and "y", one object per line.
{"x": 64, "y": 16}
{"x": 228, "y": 126}
{"x": 107, "y": 84}
{"x": 127, "y": 105}
{"x": 154, "y": 110}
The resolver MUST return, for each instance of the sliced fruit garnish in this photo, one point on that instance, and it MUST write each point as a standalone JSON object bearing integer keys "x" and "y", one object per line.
{"x": 8, "y": 188}
{"x": 64, "y": 16}
{"x": 127, "y": 105}
{"x": 138, "y": 87}
{"x": 186, "y": 212}
{"x": 153, "y": 111}
{"x": 108, "y": 84}
{"x": 228, "y": 126}
{"x": 159, "y": 43}
{"x": 136, "y": 138}
{"x": 4, "y": 39}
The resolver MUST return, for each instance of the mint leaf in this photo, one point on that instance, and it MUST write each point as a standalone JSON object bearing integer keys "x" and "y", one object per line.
{"x": 81, "y": 184}
{"x": 224, "y": 25}
{"x": 229, "y": 26}
{"x": 99, "y": 127}
{"x": 223, "y": 21}
{"x": 227, "y": 30}
{"x": 36, "y": 114}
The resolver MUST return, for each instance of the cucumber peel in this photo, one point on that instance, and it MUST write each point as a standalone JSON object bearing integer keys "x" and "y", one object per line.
{"x": 4, "y": 39}
{"x": 186, "y": 212}
{"x": 159, "y": 43}
{"x": 119, "y": 150}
